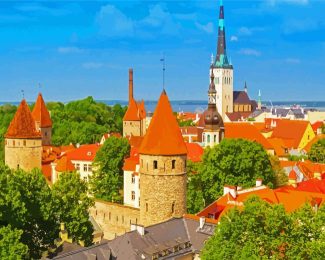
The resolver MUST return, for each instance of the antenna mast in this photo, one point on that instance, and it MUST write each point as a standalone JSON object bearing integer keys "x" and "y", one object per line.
{"x": 164, "y": 69}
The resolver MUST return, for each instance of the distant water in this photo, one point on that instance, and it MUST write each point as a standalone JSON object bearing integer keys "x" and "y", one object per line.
{"x": 201, "y": 105}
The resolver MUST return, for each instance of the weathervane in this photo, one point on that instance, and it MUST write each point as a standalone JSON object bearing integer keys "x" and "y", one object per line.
{"x": 23, "y": 93}
{"x": 164, "y": 68}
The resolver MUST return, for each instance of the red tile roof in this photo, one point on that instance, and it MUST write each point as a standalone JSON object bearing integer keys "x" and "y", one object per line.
{"x": 194, "y": 152}
{"x": 291, "y": 131}
{"x": 238, "y": 116}
{"x": 163, "y": 136}
{"x": 64, "y": 164}
{"x": 292, "y": 175}
{"x": 40, "y": 113}
{"x": 130, "y": 164}
{"x": 317, "y": 125}
{"x": 85, "y": 152}
{"x": 246, "y": 131}
{"x": 135, "y": 141}
{"x": 23, "y": 125}
{"x": 135, "y": 112}
{"x": 47, "y": 170}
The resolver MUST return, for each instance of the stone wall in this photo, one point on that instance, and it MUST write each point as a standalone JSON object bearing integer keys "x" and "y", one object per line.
{"x": 114, "y": 219}
{"x": 46, "y": 135}
{"x": 25, "y": 154}
{"x": 132, "y": 128}
{"x": 163, "y": 188}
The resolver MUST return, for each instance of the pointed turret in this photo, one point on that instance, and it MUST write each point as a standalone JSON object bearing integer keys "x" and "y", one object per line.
{"x": 163, "y": 135}
{"x": 245, "y": 87}
{"x": 221, "y": 57}
{"x": 43, "y": 120}
{"x": 23, "y": 143}
{"x": 259, "y": 102}
{"x": 23, "y": 125}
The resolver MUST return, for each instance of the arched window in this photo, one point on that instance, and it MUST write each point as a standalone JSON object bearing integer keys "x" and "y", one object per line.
{"x": 173, "y": 207}
{"x": 208, "y": 138}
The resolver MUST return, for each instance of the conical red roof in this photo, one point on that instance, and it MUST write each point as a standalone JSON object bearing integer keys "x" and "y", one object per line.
{"x": 40, "y": 113}
{"x": 23, "y": 125}
{"x": 163, "y": 136}
{"x": 132, "y": 113}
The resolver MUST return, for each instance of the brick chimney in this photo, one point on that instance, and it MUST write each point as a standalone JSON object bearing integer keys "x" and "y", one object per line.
{"x": 259, "y": 182}
{"x": 130, "y": 84}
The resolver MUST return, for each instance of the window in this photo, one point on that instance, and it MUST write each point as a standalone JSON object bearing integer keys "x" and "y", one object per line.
{"x": 90, "y": 168}
{"x": 13, "y": 143}
{"x": 141, "y": 162}
{"x": 215, "y": 138}
{"x": 208, "y": 138}
{"x": 133, "y": 179}
{"x": 18, "y": 166}
{"x": 146, "y": 207}
{"x": 24, "y": 142}
{"x": 173, "y": 164}
{"x": 122, "y": 219}
{"x": 85, "y": 178}
{"x": 155, "y": 164}
{"x": 132, "y": 195}
{"x": 109, "y": 215}
{"x": 77, "y": 166}
{"x": 45, "y": 133}
{"x": 173, "y": 207}
{"x": 85, "y": 168}
{"x": 139, "y": 202}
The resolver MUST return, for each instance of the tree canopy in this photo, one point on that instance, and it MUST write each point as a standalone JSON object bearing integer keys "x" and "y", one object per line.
{"x": 233, "y": 162}
{"x": 107, "y": 180}
{"x": 265, "y": 231}
{"x": 31, "y": 213}
{"x": 10, "y": 245}
{"x": 317, "y": 151}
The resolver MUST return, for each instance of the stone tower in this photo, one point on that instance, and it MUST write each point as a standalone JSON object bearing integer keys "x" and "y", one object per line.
{"x": 23, "y": 143}
{"x": 223, "y": 71}
{"x": 134, "y": 120}
{"x": 43, "y": 120}
{"x": 163, "y": 176}
{"x": 213, "y": 131}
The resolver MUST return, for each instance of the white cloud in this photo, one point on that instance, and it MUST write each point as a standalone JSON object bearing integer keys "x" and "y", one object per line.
{"x": 69, "y": 49}
{"x": 208, "y": 28}
{"x": 250, "y": 52}
{"x": 112, "y": 22}
{"x": 92, "y": 65}
{"x": 234, "y": 38}
{"x": 245, "y": 31}
{"x": 292, "y": 61}
{"x": 300, "y": 25}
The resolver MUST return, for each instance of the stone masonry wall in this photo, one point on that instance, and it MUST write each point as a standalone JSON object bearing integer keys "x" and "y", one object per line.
{"x": 114, "y": 219}
{"x": 132, "y": 127}
{"x": 46, "y": 135}
{"x": 162, "y": 190}
{"x": 25, "y": 153}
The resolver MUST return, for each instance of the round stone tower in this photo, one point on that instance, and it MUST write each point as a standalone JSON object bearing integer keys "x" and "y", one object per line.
{"x": 163, "y": 176}
{"x": 23, "y": 143}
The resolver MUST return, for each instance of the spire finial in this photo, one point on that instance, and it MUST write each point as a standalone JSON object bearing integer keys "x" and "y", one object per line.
{"x": 39, "y": 87}
{"x": 245, "y": 88}
{"x": 163, "y": 69}
{"x": 212, "y": 58}
{"x": 23, "y": 93}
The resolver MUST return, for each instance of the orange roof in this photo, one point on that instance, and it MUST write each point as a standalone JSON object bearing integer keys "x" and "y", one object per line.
{"x": 163, "y": 136}
{"x": 47, "y": 170}
{"x": 135, "y": 112}
{"x": 23, "y": 125}
{"x": 314, "y": 140}
{"x": 291, "y": 131}
{"x": 130, "y": 164}
{"x": 317, "y": 125}
{"x": 64, "y": 165}
{"x": 40, "y": 113}
{"x": 135, "y": 141}
{"x": 292, "y": 175}
{"x": 194, "y": 152}
{"x": 246, "y": 131}
{"x": 85, "y": 152}
{"x": 238, "y": 116}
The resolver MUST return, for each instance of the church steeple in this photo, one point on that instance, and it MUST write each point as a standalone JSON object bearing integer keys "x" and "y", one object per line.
{"x": 221, "y": 57}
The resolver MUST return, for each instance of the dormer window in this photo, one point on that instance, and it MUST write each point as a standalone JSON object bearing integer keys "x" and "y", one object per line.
{"x": 89, "y": 153}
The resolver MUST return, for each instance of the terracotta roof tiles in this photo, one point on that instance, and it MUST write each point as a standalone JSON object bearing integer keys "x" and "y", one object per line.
{"x": 23, "y": 125}
{"x": 40, "y": 113}
{"x": 163, "y": 136}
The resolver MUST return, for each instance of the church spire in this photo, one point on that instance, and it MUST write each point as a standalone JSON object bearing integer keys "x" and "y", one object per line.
{"x": 221, "y": 57}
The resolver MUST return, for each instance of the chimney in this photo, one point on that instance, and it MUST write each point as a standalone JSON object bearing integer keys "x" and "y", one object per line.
{"x": 139, "y": 228}
{"x": 130, "y": 84}
{"x": 230, "y": 189}
{"x": 202, "y": 222}
{"x": 259, "y": 182}
{"x": 225, "y": 190}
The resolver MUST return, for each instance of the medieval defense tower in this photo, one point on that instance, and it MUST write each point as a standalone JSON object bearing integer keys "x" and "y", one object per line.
{"x": 163, "y": 176}
{"x": 23, "y": 143}
{"x": 223, "y": 70}
{"x": 42, "y": 120}
{"x": 214, "y": 129}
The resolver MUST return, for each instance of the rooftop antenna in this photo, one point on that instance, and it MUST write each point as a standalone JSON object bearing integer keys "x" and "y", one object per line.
{"x": 23, "y": 93}
{"x": 164, "y": 69}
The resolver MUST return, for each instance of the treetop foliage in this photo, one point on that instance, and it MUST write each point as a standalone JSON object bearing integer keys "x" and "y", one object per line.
{"x": 317, "y": 151}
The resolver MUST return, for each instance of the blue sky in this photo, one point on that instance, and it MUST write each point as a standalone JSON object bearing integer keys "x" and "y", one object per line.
{"x": 77, "y": 49}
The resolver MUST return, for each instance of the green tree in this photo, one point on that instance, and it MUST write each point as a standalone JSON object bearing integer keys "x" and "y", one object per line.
{"x": 26, "y": 204}
{"x": 281, "y": 178}
{"x": 265, "y": 231}
{"x": 72, "y": 203}
{"x": 317, "y": 151}
{"x": 107, "y": 180}
{"x": 10, "y": 245}
{"x": 233, "y": 162}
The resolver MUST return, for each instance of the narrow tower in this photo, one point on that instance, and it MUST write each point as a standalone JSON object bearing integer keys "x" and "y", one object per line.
{"x": 134, "y": 120}
{"x": 259, "y": 102}
{"x": 223, "y": 70}
{"x": 214, "y": 129}
{"x": 42, "y": 120}
{"x": 163, "y": 176}
{"x": 23, "y": 143}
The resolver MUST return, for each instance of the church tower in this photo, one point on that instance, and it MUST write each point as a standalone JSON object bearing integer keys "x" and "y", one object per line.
{"x": 23, "y": 143}
{"x": 134, "y": 120}
{"x": 43, "y": 120}
{"x": 213, "y": 131}
{"x": 163, "y": 178}
{"x": 223, "y": 70}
